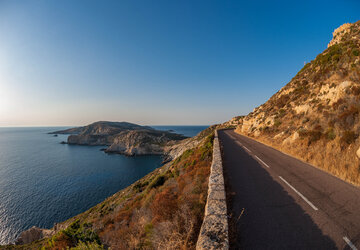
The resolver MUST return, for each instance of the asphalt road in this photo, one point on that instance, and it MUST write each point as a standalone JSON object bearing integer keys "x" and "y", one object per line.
{"x": 279, "y": 202}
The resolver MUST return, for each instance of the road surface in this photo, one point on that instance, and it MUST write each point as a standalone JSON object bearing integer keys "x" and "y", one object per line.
{"x": 279, "y": 202}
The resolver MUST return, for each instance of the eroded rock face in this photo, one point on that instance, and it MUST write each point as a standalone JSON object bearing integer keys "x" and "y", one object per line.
{"x": 339, "y": 33}
{"x": 32, "y": 234}
{"x": 89, "y": 139}
{"x": 124, "y": 138}
{"x": 139, "y": 143}
{"x": 358, "y": 153}
{"x": 316, "y": 116}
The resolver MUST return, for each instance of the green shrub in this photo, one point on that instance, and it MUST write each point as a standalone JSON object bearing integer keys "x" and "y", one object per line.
{"x": 348, "y": 137}
{"x": 81, "y": 232}
{"x": 302, "y": 132}
{"x": 139, "y": 186}
{"x": 356, "y": 52}
{"x": 158, "y": 181}
{"x": 87, "y": 246}
{"x": 314, "y": 136}
{"x": 282, "y": 112}
{"x": 186, "y": 154}
{"x": 277, "y": 123}
{"x": 332, "y": 54}
{"x": 206, "y": 149}
{"x": 330, "y": 134}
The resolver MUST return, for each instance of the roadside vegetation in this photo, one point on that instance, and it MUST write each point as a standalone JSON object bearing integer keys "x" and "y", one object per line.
{"x": 315, "y": 117}
{"x": 163, "y": 210}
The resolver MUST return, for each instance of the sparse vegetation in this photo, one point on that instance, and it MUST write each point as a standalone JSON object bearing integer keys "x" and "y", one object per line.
{"x": 330, "y": 134}
{"x": 316, "y": 116}
{"x": 277, "y": 123}
{"x": 356, "y": 52}
{"x": 76, "y": 236}
{"x": 160, "y": 211}
{"x": 348, "y": 137}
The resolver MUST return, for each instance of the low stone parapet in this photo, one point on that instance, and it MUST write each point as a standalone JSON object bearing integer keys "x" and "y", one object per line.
{"x": 214, "y": 230}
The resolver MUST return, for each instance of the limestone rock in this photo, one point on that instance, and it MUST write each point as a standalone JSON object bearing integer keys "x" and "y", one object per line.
{"x": 123, "y": 137}
{"x": 358, "y": 153}
{"x": 32, "y": 234}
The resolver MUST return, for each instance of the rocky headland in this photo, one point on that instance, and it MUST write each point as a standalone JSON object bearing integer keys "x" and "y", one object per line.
{"x": 168, "y": 203}
{"x": 125, "y": 138}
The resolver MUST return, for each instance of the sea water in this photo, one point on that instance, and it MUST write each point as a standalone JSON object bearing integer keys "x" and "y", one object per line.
{"x": 43, "y": 182}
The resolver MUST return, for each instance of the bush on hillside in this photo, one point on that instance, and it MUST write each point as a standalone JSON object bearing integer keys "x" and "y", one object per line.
{"x": 330, "y": 134}
{"x": 348, "y": 137}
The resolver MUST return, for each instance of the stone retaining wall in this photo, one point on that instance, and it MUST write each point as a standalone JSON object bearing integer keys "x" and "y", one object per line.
{"x": 214, "y": 230}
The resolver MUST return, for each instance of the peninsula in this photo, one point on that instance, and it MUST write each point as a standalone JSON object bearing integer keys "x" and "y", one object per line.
{"x": 123, "y": 138}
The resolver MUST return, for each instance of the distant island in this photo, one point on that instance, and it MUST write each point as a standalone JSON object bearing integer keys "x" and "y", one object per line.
{"x": 124, "y": 138}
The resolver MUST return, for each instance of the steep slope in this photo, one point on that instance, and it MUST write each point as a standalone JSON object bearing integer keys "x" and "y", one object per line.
{"x": 315, "y": 117}
{"x": 163, "y": 210}
{"x": 122, "y": 137}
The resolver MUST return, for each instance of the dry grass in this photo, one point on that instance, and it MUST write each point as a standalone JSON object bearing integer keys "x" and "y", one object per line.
{"x": 315, "y": 117}
{"x": 329, "y": 155}
{"x": 163, "y": 210}
{"x": 166, "y": 215}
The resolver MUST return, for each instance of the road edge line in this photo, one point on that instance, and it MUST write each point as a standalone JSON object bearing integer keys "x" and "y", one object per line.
{"x": 266, "y": 165}
{"x": 300, "y": 194}
{"x": 350, "y": 244}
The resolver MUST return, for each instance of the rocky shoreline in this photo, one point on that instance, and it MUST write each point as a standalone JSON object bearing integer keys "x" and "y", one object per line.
{"x": 124, "y": 138}
{"x": 125, "y": 145}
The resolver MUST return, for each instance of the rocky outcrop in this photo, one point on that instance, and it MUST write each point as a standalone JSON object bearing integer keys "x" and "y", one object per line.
{"x": 316, "y": 116}
{"x": 214, "y": 230}
{"x": 124, "y": 138}
{"x": 174, "y": 149}
{"x": 102, "y": 128}
{"x": 139, "y": 142}
{"x": 340, "y": 34}
{"x": 161, "y": 202}
{"x": 90, "y": 139}
{"x": 33, "y": 234}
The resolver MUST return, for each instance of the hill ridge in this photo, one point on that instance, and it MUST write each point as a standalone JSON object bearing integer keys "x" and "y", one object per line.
{"x": 315, "y": 117}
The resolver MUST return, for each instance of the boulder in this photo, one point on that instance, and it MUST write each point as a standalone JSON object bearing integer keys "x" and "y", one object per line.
{"x": 31, "y": 235}
{"x": 358, "y": 153}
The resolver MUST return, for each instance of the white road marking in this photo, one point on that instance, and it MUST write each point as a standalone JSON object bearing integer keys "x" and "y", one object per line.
{"x": 302, "y": 196}
{"x": 247, "y": 149}
{"x": 351, "y": 245}
{"x": 266, "y": 165}
{"x": 239, "y": 143}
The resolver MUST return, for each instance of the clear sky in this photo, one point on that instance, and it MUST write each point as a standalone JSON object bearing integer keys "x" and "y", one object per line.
{"x": 154, "y": 62}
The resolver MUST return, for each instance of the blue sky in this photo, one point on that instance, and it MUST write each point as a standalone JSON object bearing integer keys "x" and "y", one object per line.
{"x": 154, "y": 62}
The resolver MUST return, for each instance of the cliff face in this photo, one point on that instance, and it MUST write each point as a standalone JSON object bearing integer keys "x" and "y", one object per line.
{"x": 124, "y": 138}
{"x": 141, "y": 142}
{"x": 315, "y": 117}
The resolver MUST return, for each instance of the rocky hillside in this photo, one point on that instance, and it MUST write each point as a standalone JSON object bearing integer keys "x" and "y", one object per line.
{"x": 315, "y": 117}
{"x": 163, "y": 210}
{"x": 102, "y": 128}
{"x": 122, "y": 137}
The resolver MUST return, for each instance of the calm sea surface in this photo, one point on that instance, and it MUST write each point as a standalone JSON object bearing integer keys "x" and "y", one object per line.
{"x": 43, "y": 181}
{"x": 184, "y": 130}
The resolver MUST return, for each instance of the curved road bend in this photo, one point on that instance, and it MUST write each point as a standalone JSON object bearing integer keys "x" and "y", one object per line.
{"x": 284, "y": 203}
